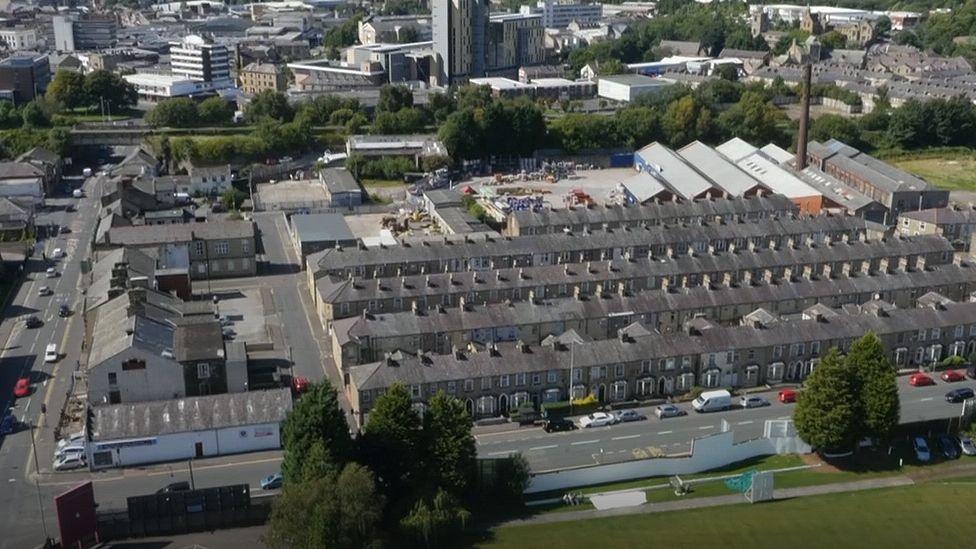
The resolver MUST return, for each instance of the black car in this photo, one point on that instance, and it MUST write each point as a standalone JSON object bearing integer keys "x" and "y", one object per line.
{"x": 70, "y": 208}
{"x": 65, "y": 229}
{"x": 554, "y": 425}
{"x": 948, "y": 446}
{"x": 32, "y": 322}
{"x": 181, "y": 486}
{"x": 64, "y": 310}
{"x": 959, "y": 395}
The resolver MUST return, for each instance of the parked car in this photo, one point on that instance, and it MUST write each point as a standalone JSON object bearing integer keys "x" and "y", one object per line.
{"x": 272, "y": 482}
{"x": 22, "y": 387}
{"x": 64, "y": 310}
{"x": 971, "y": 372}
{"x": 31, "y": 321}
{"x": 920, "y": 380}
{"x": 959, "y": 395}
{"x": 624, "y": 416}
{"x": 967, "y": 446}
{"x": 558, "y": 424}
{"x": 921, "y": 450}
{"x": 67, "y": 463}
{"x": 787, "y": 396}
{"x": 70, "y": 450}
{"x": 44, "y": 291}
{"x": 712, "y": 401}
{"x": 299, "y": 384}
{"x": 948, "y": 446}
{"x": 665, "y": 411}
{"x": 753, "y": 401}
{"x": 8, "y": 423}
{"x": 597, "y": 419}
{"x": 952, "y": 376}
{"x": 72, "y": 439}
{"x": 181, "y": 486}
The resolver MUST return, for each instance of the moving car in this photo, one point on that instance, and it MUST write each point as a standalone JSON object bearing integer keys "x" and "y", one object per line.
{"x": 44, "y": 291}
{"x": 921, "y": 450}
{"x": 58, "y": 253}
{"x": 31, "y": 321}
{"x": 712, "y": 401}
{"x": 787, "y": 395}
{"x": 558, "y": 424}
{"x": 665, "y": 411}
{"x": 64, "y": 310}
{"x": 628, "y": 415}
{"x": 597, "y": 419}
{"x": 272, "y": 482}
{"x": 967, "y": 446}
{"x": 952, "y": 376}
{"x": 181, "y": 486}
{"x": 64, "y": 229}
{"x": 299, "y": 384}
{"x": 22, "y": 387}
{"x": 947, "y": 446}
{"x": 959, "y": 395}
{"x": 51, "y": 353}
{"x": 753, "y": 402}
{"x": 8, "y": 423}
{"x": 920, "y": 380}
{"x": 78, "y": 193}
{"x": 51, "y": 272}
{"x": 67, "y": 463}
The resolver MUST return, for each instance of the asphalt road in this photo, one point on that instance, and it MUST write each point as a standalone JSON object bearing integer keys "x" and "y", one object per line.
{"x": 652, "y": 437}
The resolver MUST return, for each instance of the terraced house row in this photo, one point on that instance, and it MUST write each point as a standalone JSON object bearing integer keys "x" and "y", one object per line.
{"x": 766, "y": 350}
{"x": 337, "y": 297}
{"x": 423, "y": 256}
{"x": 366, "y": 338}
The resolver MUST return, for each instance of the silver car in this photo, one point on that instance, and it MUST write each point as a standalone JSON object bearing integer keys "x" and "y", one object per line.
{"x": 669, "y": 410}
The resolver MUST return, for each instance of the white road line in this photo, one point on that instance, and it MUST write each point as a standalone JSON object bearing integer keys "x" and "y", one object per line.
{"x": 502, "y": 453}
{"x": 581, "y": 442}
{"x": 625, "y": 438}
{"x": 549, "y": 447}
{"x": 745, "y": 422}
{"x": 926, "y": 399}
{"x": 665, "y": 432}
{"x": 706, "y": 427}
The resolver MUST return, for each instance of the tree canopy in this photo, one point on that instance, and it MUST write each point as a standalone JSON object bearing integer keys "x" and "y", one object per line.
{"x": 315, "y": 419}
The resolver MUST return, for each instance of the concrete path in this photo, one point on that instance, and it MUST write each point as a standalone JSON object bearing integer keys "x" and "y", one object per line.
{"x": 699, "y": 503}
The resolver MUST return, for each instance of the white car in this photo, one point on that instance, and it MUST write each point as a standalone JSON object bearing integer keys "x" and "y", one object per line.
{"x": 597, "y": 419}
{"x": 70, "y": 450}
{"x": 44, "y": 290}
{"x": 753, "y": 402}
{"x": 967, "y": 445}
{"x": 51, "y": 353}
{"x": 69, "y": 462}
{"x": 51, "y": 272}
{"x": 58, "y": 253}
{"x": 73, "y": 439}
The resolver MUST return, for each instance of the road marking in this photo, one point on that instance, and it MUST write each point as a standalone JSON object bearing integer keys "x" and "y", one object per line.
{"x": 625, "y": 438}
{"x": 549, "y": 447}
{"x": 582, "y": 442}
{"x": 502, "y": 453}
{"x": 665, "y": 432}
{"x": 745, "y": 422}
{"x": 216, "y": 466}
{"x": 706, "y": 427}
{"x": 926, "y": 399}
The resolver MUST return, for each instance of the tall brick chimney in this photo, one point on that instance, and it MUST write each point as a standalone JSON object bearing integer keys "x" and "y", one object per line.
{"x": 801, "y": 142}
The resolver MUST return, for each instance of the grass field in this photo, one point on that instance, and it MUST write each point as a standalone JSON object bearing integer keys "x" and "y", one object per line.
{"x": 953, "y": 172}
{"x": 913, "y": 516}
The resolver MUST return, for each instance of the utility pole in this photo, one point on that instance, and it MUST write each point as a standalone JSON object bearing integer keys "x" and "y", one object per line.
{"x": 37, "y": 485}
{"x": 193, "y": 485}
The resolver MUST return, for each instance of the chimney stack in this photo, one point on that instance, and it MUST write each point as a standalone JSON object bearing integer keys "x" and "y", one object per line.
{"x": 801, "y": 142}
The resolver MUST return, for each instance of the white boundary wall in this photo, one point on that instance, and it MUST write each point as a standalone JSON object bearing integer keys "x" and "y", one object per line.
{"x": 707, "y": 453}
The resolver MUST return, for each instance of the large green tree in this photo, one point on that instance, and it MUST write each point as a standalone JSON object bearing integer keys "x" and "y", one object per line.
{"x": 687, "y": 120}
{"x": 826, "y": 412}
{"x": 268, "y": 105}
{"x": 391, "y": 443}
{"x": 449, "y": 446}
{"x": 435, "y": 522}
{"x": 879, "y": 408}
{"x": 393, "y": 98}
{"x": 67, "y": 88}
{"x": 835, "y": 126}
{"x": 215, "y": 111}
{"x": 178, "y": 112}
{"x": 316, "y": 418}
{"x": 110, "y": 90}
{"x": 754, "y": 119}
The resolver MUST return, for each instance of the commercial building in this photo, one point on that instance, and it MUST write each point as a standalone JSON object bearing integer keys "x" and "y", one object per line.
{"x": 559, "y": 14}
{"x": 194, "y": 58}
{"x": 84, "y": 32}
{"x": 22, "y": 182}
{"x": 154, "y": 87}
{"x": 552, "y": 88}
{"x": 323, "y": 75}
{"x": 390, "y": 29}
{"x": 341, "y": 188}
{"x": 627, "y": 87}
{"x": 762, "y": 167}
{"x": 956, "y": 224}
{"x": 414, "y": 147}
{"x": 24, "y": 77}
{"x": 514, "y": 40}
{"x": 312, "y": 233}
{"x": 681, "y": 179}
{"x": 186, "y": 428}
{"x": 258, "y": 77}
{"x": 18, "y": 38}
{"x": 459, "y": 34}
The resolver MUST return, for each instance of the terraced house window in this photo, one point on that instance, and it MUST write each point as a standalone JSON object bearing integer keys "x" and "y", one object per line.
{"x": 468, "y": 385}
{"x": 222, "y": 248}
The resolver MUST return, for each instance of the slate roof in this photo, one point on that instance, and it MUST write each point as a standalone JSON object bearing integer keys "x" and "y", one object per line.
{"x": 340, "y": 180}
{"x": 198, "y": 341}
{"x": 943, "y": 216}
{"x": 179, "y": 232}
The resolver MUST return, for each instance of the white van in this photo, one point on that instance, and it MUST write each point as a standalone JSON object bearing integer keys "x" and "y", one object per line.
{"x": 713, "y": 401}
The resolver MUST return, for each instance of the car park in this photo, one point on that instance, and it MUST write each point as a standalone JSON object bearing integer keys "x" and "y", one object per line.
{"x": 558, "y": 424}
{"x": 272, "y": 482}
{"x": 31, "y": 321}
{"x": 921, "y": 449}
{"x": 44, "y": 291}
{"x": 753, "y": 401}
{"x": 180, "y": 486}
{"x": 22, "y": 387}
{"x": 624, "y": 416}
{"x": 597, "y": 419}
{"x": 787, "y": 396}
{"x": 70, "y": 462}
{"x": 920, "y": 380}
{"x": 959, "y": 395}
{"x": 948, "y": 446}
{"x": 665, "y": 411}
{"x": 952, "y": 376}
{"x": 967, "y": 446}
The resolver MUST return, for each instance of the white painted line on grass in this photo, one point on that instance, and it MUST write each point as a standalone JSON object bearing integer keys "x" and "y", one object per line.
{"x": 549, "y": 447}
{"x": 581, "y": 442}
{"x": 625, "y": 438}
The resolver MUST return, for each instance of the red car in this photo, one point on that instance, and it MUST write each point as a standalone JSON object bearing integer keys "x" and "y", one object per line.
{"x": 951, "y": 376}
{"x": 920, "y": 380}
{"x": 299, "y": 384}
{"x": 787, "y": 395}
{"x": 22, "y": 388}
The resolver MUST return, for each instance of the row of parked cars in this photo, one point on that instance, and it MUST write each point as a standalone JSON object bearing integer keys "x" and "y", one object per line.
{"x": 71, "y": 452}
{"x": 950, "y": 446}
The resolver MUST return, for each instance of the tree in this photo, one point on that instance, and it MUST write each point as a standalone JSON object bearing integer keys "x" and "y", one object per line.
{"x": 232, "y": 198}
{"x": 876, "y": 387}
{"x": 906, "y": 37}
{"x": 754, "y": 119}
{"x": 953, "y": 121}
{"x": 215, "y": 111}
{"x": 687, "y": 120}
{"x": 315, "y": 418}
{"x": 105, "y": 88}
{"x": 67, "y": 88}
{"x": 833, "y": 40}
{"x": 611, "y": 67}
{"x": 341, "y": 511}
{"x": 178, "y": 112}
{"x": 825, "y": 414}
{"x": 391, "y": 442}
{"x": 59, "y": 141}
{"x": 268, "y": 105}
{"x": 528, "y": 127}
{"x": 728, "y": 72}
{"x": 909, "y": 125}
{"x": 393, "y": 98}
{"x": 835, "y": 126}
{"x": 882, "y": 26}
{"x": 33, "y": 115}
{"x": 637, "y": 126}
{"x": 449, "y": 446}
{"x": 436, "y": 521}
{"x": 461, "y": 135}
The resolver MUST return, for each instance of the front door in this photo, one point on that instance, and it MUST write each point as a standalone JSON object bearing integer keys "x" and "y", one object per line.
{"x": 199, "y": 449}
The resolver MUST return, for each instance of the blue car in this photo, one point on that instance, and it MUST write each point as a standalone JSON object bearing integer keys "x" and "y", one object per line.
{"x": 272, "y": 482}
{"x": 7, "y": 424}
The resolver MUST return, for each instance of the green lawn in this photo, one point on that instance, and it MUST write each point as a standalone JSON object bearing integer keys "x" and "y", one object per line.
{"x": 955, "y": 172}
{"x": 381, "y": 183}
{"x": 912, "y": 516}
